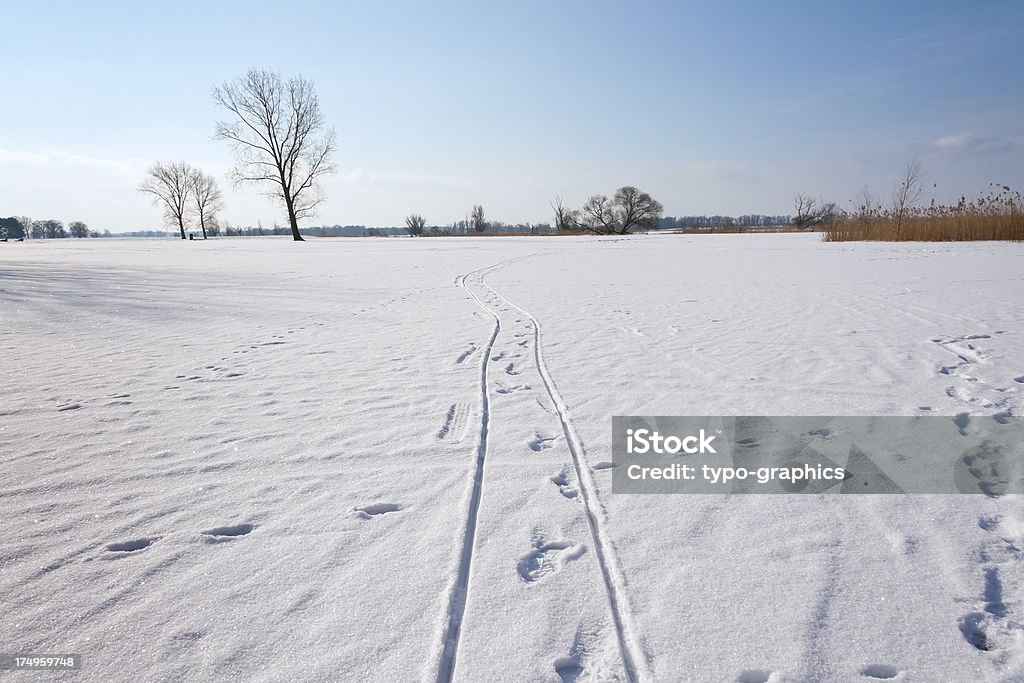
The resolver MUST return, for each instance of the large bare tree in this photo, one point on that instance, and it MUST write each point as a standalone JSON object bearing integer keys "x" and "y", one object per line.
{"x": 279, "y": 138}
{"x": 206, "y": 198}
{"x": 629, "y": 208}
{"x": 171, "y": 185}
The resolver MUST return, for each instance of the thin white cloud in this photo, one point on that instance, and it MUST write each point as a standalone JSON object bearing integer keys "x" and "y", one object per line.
{"x": 51, "y": 159}
{"x": 364, "y": 177}
{"x": 977, "y": 143}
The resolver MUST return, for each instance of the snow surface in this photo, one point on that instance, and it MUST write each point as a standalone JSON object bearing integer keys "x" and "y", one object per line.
{"x": 370, "y": 459}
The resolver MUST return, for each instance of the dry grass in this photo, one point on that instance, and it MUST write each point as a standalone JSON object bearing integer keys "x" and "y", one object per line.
{"x": 997, "y": 216}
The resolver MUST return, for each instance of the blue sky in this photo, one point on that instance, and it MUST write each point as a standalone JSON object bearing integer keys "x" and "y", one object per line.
{"x": 713, "y": 107}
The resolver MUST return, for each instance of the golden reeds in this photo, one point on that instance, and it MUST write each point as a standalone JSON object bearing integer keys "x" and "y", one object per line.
{"x": 997, "y": 216}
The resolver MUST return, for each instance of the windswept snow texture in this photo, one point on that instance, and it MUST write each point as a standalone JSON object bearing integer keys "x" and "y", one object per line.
{"x": 370, "y": 459}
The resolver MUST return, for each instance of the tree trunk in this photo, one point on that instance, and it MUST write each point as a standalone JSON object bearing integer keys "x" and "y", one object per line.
{"x": 202, "y": 224}
{"x": 181, "y": 227}
{"x": 296, "y": 236}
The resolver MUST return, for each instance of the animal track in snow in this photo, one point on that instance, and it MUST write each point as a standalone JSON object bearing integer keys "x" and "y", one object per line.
{"x": 69, "y": 406}
{"x": 547, "y": 558}
{"x": 375, "y": 509}
{"x": 510, "y": 369}
{"x": 130, "y": 546}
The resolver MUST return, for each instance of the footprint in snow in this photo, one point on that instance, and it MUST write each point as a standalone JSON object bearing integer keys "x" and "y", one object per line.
{"x": 70, "y": 406}
{"x": 754, "y": 676}
{"x": 568, "y": 669}
{"x": 547, "y": 558}
{"x": 375, "y": 509}
{"x": 502, "y": 389}
{"x": 542, "y": 443}
{"x": 561, "y": 480}
{"x": 465, "y": 354}
{"x": 962, "y": 420}
{"x": 130, "y": 546}
{"x": 881, "y": 672}
{"x": 227, "y": 533}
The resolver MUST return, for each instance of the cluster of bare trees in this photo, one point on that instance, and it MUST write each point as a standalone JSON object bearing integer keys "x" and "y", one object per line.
{"x": 627, "y": 209}
{"x": 276, "y": 129}
{"x": 185, "y": 193}
{"x": 23, "y": 227}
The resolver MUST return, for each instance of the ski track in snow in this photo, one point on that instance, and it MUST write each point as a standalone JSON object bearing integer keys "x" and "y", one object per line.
{"x": 459, "y": 593}
{"x": 546, "y": 556}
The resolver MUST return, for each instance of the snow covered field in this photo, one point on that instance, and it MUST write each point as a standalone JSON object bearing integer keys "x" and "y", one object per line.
{"x": 385, "y": 460}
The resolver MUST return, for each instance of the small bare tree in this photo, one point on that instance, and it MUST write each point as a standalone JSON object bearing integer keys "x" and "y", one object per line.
{"x": 415, "y": 223}
{"x": 811, "y": 213}
{"x": 867, "y": 205}
{"x": 565, "y": 219}
{"x": 26, "y": 225}
{"x": 277, "y": 141}
{"x": 907, "y": 193}
{"x": 476, "y": 218}
{"x": 206, "y": 198}
{"x": 171, "y": 185}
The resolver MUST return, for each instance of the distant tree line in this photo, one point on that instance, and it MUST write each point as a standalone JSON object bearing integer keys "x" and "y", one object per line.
{"x": 755, "y": 220}
{"x": 23, "y": 228}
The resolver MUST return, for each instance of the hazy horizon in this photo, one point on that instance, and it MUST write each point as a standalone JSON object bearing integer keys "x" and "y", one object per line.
{"x": 724, "y": 109}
